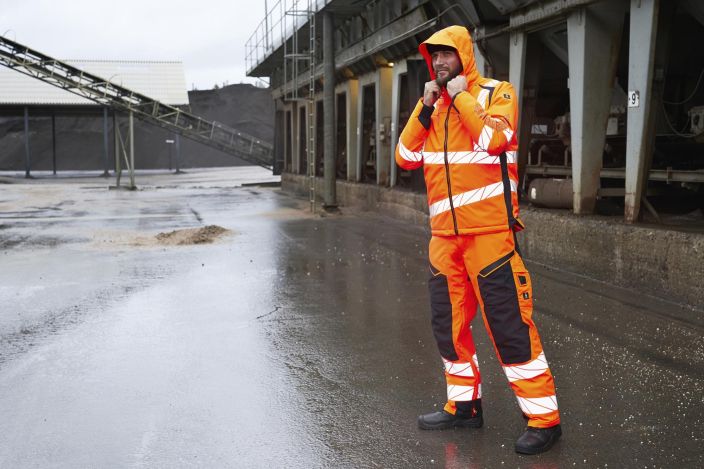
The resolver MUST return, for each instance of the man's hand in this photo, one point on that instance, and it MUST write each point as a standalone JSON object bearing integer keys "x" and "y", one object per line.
{"x": 431, "y": 93}
{"x": 456, "y": 85}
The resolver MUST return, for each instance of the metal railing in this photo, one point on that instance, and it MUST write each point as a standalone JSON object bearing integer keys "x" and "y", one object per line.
{"x": 57, "y": 73}
{"x": 277, "y": 26}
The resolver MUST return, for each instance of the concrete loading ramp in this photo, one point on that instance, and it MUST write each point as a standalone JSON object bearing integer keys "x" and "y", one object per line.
{"x": 107, "y": 93}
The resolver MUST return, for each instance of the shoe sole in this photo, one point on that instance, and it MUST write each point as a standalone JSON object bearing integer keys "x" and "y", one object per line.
{"x": 448, "y": 426}
{"x": 541, "y": 449}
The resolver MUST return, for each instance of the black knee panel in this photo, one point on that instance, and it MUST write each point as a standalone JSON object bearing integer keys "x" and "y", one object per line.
{"x": 441, "y": 309}
{"x": 503, "y": 314}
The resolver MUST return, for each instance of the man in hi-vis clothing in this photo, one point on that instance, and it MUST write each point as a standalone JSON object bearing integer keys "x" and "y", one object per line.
{"x": 463, "y": 133}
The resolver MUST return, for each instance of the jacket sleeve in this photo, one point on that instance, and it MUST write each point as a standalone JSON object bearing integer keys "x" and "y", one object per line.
{"x": 412, "y": 139}
{"x": 492, "y": 129}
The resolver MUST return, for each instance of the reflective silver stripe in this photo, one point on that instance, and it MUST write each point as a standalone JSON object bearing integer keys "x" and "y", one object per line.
{"x": 458, "y": 368}
{"x": 484, "y": 93}
{"x": 484, "y": 138}
{"x": 482, "y": 97}
{"x": 407, "y": 154}
{"x": 537, "y": 405}
{"x": 528, "y": 370}
{"x": 469, "y": 197}
{"x": 462, "y": 393}
{"x": 460, "y": 157}
{"x": 466, "y": 157}
{"x": 509, "y": 134}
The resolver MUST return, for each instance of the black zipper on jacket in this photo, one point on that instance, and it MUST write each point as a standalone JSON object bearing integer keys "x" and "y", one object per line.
{"x": 447, "y": 166}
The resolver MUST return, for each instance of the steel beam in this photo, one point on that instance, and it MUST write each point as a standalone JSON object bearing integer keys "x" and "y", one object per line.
{"x": 406, "y": 26}
{"x": 665, "y": 175}
{"x": 546, "y": 11}
{"x": 402, "y": 28}
{"x": 643, "y": 36}
{"x": 594, "y": 36}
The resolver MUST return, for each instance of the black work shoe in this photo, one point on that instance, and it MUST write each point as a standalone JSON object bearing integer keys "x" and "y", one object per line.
{"x": 537, "y": 440}
{"x": 443, "y": 420}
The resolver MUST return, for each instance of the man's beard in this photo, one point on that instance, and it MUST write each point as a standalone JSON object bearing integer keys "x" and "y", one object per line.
{"x": 442, "y": 82}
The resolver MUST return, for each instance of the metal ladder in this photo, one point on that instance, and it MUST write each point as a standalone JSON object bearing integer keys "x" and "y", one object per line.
{"x": 49, "y": 70}
{"x": 292, "y": 95}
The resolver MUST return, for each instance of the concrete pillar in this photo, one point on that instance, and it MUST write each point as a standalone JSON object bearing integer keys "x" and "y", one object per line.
{"x": 399, "y": 69}
{"x": 27, "y": 157}
{"x": 106, "y": 153}
{"x": 53, "y": 141}
{"x": 383, "y": 124}
{"x": 481, "y": 62}
{"x": 118, "y": 145}
{"x": 594, "y": 37}
{"x": 643, "y": 35}
{"x": 177, "y": 142}
{"x": 131, "y": 143}
{"x": 295, "y": 161}
{"x": 279, "y": 135}
{"x": 286, "y": 143}
{"x": 518, "y": 41}
{"x": 329, "y": 150}
{"x": 352, "y": 108}
{"x": 359, "y": 159}
{"x": 517, "y": 64}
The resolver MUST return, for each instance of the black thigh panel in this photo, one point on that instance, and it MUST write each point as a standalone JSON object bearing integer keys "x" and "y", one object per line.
{"x": 500, "y": 297}
{"x": 441, "y": 308}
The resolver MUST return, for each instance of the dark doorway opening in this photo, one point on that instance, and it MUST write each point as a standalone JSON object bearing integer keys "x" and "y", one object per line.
{"x": 288, "y": 163}
{"x": 302, "y": 141}
{"x": 368, "y": 153}
{"x": 341, "y": 142}
{"x": 319, "y": 138}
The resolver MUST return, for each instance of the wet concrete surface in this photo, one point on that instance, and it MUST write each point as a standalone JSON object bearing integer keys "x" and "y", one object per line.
{"x": 295, "y": 341}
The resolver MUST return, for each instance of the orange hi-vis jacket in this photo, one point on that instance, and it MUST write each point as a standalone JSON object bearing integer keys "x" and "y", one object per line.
{"x": 468, "y": 152}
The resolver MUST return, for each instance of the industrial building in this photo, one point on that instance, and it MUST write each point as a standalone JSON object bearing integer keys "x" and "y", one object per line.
{"x": 151, "y": 92}
{"x": 86, "y": 129}
{"x": 610, "y": 94}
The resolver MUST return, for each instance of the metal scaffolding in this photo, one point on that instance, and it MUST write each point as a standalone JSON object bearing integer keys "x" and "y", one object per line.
{"x": 283, "y": 23}
{"x": 293, "y": 54}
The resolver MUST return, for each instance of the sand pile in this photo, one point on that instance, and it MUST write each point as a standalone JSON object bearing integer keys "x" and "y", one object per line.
{"x": 206, "y": 234}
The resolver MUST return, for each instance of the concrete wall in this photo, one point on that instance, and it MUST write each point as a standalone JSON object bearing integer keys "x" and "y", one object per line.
{"x": 654, "y": 261}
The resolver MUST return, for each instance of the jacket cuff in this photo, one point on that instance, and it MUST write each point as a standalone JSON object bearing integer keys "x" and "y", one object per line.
{"x": 424, "y": 116}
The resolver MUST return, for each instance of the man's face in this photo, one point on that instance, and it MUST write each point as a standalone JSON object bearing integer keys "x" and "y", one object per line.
{"x": 447, "y": 65}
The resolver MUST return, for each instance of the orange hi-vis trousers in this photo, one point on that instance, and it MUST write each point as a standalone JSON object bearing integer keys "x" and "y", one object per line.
{"x": 486, "y": 270}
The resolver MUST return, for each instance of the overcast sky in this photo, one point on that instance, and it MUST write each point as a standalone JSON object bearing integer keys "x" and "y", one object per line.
{"x": 208, "y": 36}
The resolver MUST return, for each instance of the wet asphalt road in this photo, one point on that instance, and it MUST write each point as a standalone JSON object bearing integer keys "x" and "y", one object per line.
{"x": 295, "y": 341}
